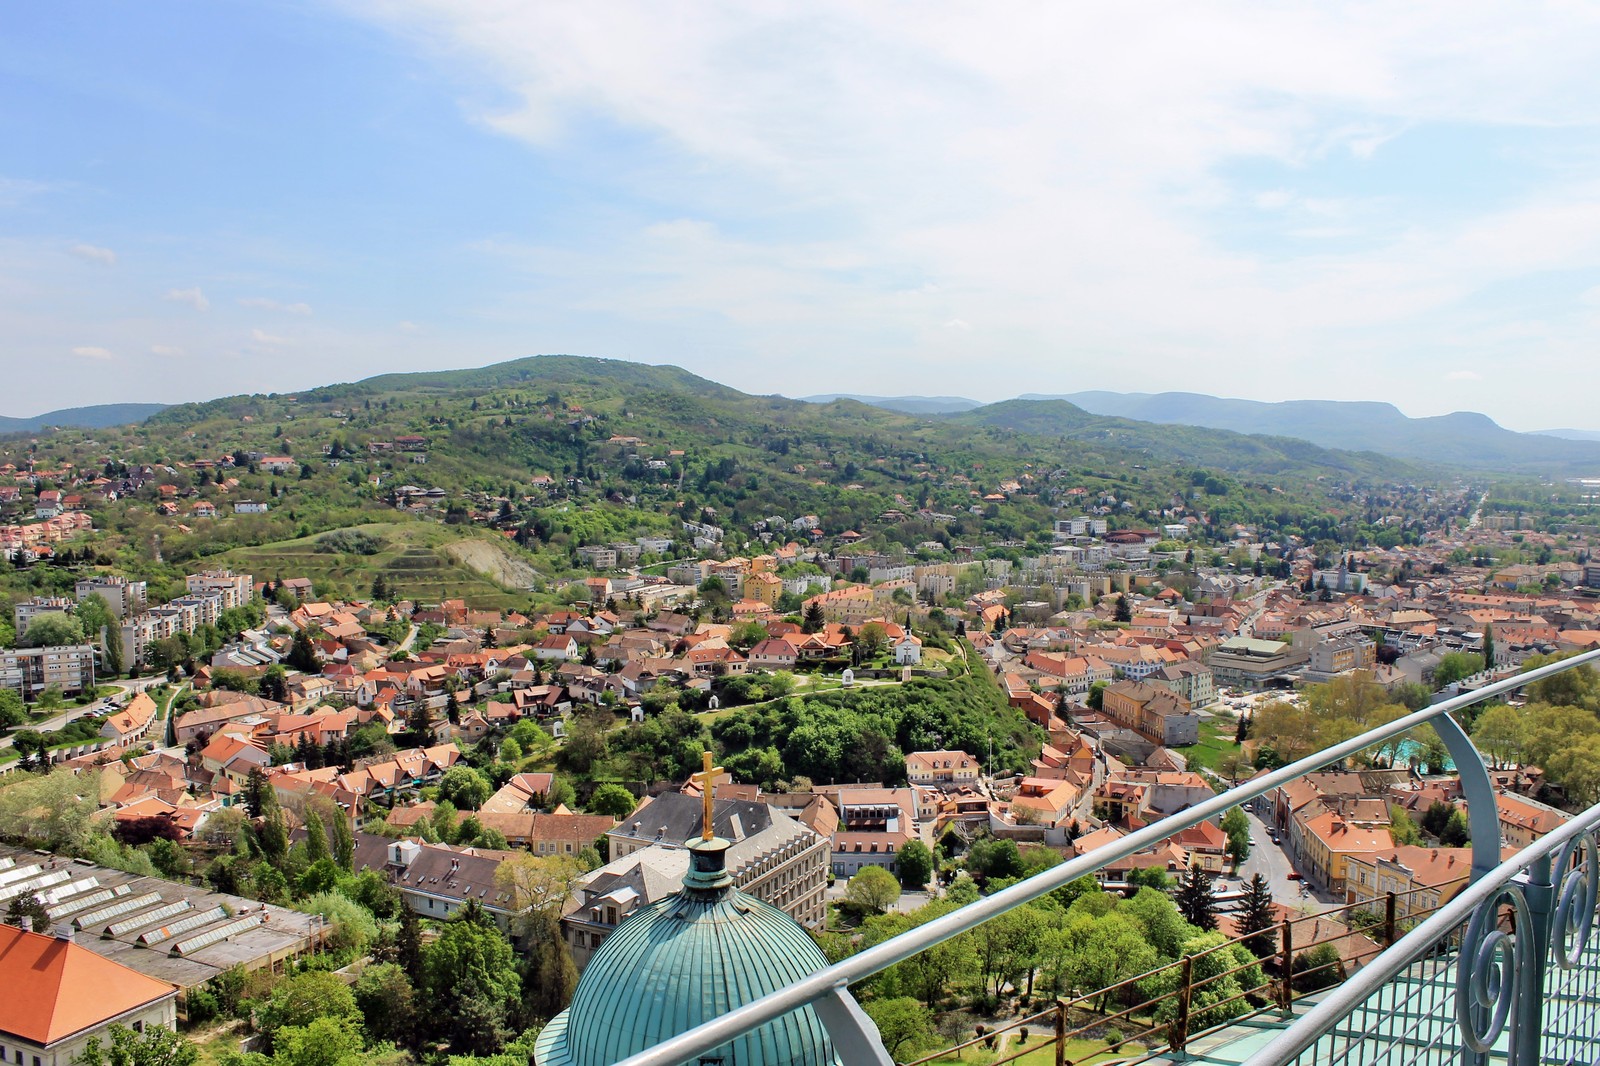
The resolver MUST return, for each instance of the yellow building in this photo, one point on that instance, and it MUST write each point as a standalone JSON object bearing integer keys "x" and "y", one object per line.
{"x": 1329, "y": 841}
{"x": 764, "y": 586}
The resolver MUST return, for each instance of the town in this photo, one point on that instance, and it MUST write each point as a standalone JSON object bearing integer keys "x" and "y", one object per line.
{"x": 251, "y": 775}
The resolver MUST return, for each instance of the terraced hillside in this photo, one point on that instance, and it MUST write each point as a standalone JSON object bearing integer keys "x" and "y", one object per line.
{"x": 420, "y": 560}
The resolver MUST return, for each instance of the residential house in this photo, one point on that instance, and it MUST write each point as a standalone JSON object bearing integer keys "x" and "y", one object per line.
{"x": 132, "y": 723}
{"x": 942, "y": 769}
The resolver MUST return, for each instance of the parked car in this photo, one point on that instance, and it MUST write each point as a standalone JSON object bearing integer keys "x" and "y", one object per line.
{"x": 1294, "y": 875}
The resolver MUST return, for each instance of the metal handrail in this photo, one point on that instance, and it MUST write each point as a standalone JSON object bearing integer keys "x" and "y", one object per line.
{"x": 687, "y": 1046}
{"x": 1316, "y": 1022}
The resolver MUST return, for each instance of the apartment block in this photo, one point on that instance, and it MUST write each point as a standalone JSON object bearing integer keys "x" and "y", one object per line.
{"x": 125, "y": 598}
{"x": 29, "y": 671}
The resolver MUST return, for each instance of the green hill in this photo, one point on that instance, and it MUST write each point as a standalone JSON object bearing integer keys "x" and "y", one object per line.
{"x": 564, "y": 452}
{"x": 98, "y": 416}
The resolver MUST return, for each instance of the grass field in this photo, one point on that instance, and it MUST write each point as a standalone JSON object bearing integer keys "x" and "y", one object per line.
{"x": 415, "y": 559}
{"x": 1216, "y": 739}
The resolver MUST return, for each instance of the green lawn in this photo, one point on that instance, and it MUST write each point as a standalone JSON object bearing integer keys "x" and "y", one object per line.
{"x": 1216, "y": 738}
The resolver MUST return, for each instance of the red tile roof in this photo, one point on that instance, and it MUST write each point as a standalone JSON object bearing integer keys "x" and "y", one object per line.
{"x": 55, "y": 988}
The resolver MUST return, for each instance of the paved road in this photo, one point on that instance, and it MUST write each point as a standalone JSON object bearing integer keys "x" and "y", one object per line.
{"x": 1270, "y": 861}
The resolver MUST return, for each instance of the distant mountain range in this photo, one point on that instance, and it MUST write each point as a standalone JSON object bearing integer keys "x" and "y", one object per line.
{"x": 1462, "y": 439}
{"x": 911, "y": 405}
{"x": 1568, "y": 434}
{"x": 99, "y": 416}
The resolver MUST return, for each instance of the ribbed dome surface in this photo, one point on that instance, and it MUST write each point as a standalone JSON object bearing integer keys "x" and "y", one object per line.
{"x": 685, "y": 960}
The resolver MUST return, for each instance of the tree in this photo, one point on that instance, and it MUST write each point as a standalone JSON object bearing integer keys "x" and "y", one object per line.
{"x": 387, "y": 1001}
{"x": 1488, "y": 646}
{"x": 255, "y": 788}
{"x": 1097, "y": 695}
{"x": 303, "y": 654}
{"x": 1401, "y": 828}
{"x": 321, "y": 1042}
{"x": 302, "y": 998}
{"x": 1150, "y": 877}
{"x": 871, "y": 640}
{"x": 613, "y": 800}
{"x": 1237, "y": 827}
{"x": 274, "y": 684}
{"x": 316, "y": 839}
{"x": 1456, "y": 833}
{"x": 13, "y": 712}
{"x": 1255, "y": 916}
{"x": 1501, "y": 733}
{"x": 1454, "y": 666}
{"x": 470, "y": 982}
{"x": 1123, "y": 612}
{"x": 465, "y": 787}
{"x": 1319, "y": 967}
{"x": 916, "y": 864}
{"x": 408, "y": 941}
{"x": 989, "y": 859}
{"x": 812, "y": 621}
{"x": 156, "y": 1046}
{"x": 904, "y": 1025}
{"x": 1195, "y": 900}
{"x": 872, "y": 889}
{"x": 1436, "y": 817}
{"x": 28, "y": 906}
{"x": 50, "y": 629}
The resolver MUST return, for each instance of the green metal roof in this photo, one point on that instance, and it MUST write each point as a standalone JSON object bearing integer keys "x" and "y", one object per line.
{"x": 685, "y": 960}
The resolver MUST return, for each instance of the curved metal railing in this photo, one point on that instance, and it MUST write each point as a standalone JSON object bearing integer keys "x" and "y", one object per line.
{"x": 855, "y": 1038}
{"x": 1503, "y": 932}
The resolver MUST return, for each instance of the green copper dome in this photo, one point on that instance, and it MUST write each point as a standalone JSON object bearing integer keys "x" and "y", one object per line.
{"x": 685, "y": 960}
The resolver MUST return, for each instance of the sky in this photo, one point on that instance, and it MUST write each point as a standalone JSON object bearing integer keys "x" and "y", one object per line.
{"x": 1273, "y": 201}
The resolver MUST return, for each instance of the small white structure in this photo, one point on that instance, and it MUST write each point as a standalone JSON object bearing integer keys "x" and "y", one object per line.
{"x": 908, "y": 650}
{"x": 849, "y": 677}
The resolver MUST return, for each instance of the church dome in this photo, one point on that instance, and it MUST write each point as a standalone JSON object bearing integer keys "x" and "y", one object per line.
{"x": 682, "y": 961}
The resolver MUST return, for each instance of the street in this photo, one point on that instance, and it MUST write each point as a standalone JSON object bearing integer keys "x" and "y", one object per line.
{"x": 1270, "y": 861}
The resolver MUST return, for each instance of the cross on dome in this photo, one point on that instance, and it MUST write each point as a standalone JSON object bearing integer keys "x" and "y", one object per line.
{"x": 707, "y": 780}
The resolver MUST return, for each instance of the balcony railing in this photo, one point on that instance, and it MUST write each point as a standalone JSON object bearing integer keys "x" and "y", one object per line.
{"x": 1522, "y": 928}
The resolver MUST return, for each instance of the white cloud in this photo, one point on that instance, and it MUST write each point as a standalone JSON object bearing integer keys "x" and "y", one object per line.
{"x": 94, "y": 254}
{"x": 92, "y": 352}
{"x": 407, "y": 327}
{"x": 193, "y": 297}
{"x": 1463, "y": 375}
{"x": 263, "y": 337}
{"x": 956, "y": 323}
{"x": 166, "y": 350}
{"x": 1060, "y": 172}
{"x": 267, "y": 304}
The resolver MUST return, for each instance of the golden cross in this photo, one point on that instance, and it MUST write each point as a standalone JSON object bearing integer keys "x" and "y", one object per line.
{"x": 707, "y": 778}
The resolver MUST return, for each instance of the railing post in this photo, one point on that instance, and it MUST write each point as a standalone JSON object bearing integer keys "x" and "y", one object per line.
{"x": 1388, "y": 921}
{"x": 1061, "y": 1032}
{"x": 1527, "y": 1026}
{"x": 1477, "y": 788}
{"x": 1178, "y": 1033}
{"x": 1286, "y": 970}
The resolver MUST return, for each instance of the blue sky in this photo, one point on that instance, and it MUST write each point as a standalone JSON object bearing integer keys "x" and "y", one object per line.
{"x": 1341, "y": 201}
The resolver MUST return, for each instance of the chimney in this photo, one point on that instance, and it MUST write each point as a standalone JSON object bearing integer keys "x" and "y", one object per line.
{"x": 64, "y": 932}
{"x": 26, "y": 923}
